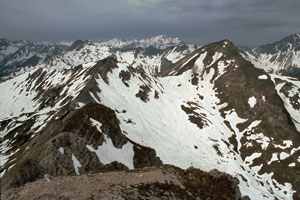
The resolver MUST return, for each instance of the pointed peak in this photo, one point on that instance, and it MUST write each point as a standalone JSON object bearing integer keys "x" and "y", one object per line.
{"x": 224, "y": 46}
{"x": 224, "y": 42}
{"x": 205, "y": 56}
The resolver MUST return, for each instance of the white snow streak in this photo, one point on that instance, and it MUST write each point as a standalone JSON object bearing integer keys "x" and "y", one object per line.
{"x": 252, "y": 102}
{"x": 76, "y": 164}
{"x": 263, "y": 77}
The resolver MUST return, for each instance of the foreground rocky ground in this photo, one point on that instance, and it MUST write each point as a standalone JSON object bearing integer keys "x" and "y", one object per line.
{"x": 166, "y": 182}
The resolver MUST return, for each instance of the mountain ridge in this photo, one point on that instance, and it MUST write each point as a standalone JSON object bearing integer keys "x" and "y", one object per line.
{"x": 159, "y": 42}
{"x": 281, "y": 57}
{"x": 81, "y": 52}
{"x": 203, "y": 106}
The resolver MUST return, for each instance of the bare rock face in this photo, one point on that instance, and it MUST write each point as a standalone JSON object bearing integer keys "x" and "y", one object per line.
{"x": 62, "y": 140}
{"x": 166, "y": 182}
{"x": 145, "y": 157}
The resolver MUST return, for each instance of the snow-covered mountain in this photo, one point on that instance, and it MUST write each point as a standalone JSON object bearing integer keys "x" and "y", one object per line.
{"x": 158, "y": 42}
{"x": 152, "y": 57}
{"x": 20, "y": 55}
{"x": 16, "y": 57}
{"x": 281, "y": 57}
{"x": 210, "y": 109}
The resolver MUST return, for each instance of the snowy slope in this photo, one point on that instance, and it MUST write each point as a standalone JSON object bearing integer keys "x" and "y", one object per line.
{"x": 289, "y": 90}
{"x": 211, "y": 110}
{"x": 176, "y": 94}
{"x": 281, "y": 57}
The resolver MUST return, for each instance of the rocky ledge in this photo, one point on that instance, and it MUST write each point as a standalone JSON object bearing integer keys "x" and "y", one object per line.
{"x": 166, "y": 182}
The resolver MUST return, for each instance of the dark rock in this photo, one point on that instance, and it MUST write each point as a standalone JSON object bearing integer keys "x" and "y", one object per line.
{"x": 143, "y": 93}
{"x": 29, "y": 172}
{"x": 113, "y": 166}
{"x": 145, "y": 157}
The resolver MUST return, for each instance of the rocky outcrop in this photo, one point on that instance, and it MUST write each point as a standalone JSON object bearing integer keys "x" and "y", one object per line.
{"x": 167, "y": 182}
{"x": 53, "y": 150}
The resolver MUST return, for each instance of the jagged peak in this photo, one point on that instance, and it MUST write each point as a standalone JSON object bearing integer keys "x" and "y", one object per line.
{"x": 164, "y": 38}
{"x": 160, "y": 41}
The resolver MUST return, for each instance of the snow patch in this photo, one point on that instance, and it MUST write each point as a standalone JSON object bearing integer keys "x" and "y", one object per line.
{"x": 283, "y": 155}
{"x": 76, "y": 164}
{"x": 216, "y": 57}
{"x": 274, "y": 158}
{"x": 260, "y": 138}
{"x": 263, "y": 77}
{"x": 61, "y": 150}
{"x": 199, "y": 66}
{"x": 252, "y": 102}
{"x": 292, "y": 165}
{"x": 189, "y": 60}
{"x": 97, "y": 124}
{"x": 249, "y": 159}
{"x": 108, "y": 153}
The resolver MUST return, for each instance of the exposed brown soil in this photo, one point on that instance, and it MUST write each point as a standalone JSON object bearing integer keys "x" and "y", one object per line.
{"x": 167, "y": 182}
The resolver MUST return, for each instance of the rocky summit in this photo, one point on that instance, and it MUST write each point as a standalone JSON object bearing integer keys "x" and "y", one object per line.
{"x": 176, "y": 122}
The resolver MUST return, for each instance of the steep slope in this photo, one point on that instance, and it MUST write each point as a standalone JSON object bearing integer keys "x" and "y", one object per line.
{"x": 281, "y": 57}
{"x": 211, "y": 110}
{"x": 289, "y": 90}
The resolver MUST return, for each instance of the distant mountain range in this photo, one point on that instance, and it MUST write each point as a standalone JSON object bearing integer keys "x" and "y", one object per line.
{"x": 16, "y": 57}
{"x": 152, "y": 103}
{"x": 281, "y": 57}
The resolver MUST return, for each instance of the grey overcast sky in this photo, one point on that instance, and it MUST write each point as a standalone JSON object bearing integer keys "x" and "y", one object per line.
{"x": 245, "y": 22}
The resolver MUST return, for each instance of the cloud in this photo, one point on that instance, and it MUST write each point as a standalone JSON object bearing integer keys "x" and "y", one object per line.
{"x": 249, "y": 22}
